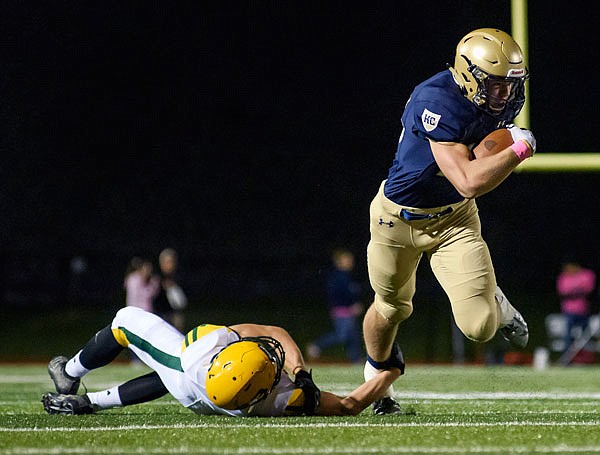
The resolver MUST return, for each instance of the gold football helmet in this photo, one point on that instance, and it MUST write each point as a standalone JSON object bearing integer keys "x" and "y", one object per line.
{"x": 244, "y": 372}
{"x": 490, "y": 69}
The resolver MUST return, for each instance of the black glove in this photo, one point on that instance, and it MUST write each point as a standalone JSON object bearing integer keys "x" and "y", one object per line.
{"x": 312, "y": 394}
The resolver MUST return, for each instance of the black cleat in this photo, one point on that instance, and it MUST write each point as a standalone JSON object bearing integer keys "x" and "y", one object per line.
{"x": 58, "y": 403}
{"x": 64, "y": 383}
{"x": 386, "y": 406}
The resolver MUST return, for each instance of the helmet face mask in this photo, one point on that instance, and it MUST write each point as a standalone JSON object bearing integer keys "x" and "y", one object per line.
{"x": 499, "y": 96}
{"x": 244, "y": 372}
{"x": 490, "y": 69}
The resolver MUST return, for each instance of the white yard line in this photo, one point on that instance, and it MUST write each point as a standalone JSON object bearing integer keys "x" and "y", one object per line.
{"x": 345, "y": 388}
{"x": 226, "y": 425}
{"x": 439, "y": 397}
{"x": 426, "y": 396}
{"x": 561, "y": 449}
{"x": 500, "y": 395}
{"x": 24, "y": 379}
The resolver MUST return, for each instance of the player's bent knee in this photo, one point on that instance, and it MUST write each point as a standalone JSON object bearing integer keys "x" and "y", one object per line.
{"x": 127, "y": 313}
{"x": 123, "y": 318}
{"x": 393, "y": 311}
{"x": 480, "y": 330}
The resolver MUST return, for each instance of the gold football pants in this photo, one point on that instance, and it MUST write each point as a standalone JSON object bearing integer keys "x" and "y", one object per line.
{"x": 458, "y": 255}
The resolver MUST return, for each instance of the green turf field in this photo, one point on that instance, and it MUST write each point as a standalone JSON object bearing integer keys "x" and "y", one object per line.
{"x": 451, "y": 410}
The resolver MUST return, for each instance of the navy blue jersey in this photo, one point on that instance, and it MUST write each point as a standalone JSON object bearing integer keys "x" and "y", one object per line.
{"x": 436, "y": 110}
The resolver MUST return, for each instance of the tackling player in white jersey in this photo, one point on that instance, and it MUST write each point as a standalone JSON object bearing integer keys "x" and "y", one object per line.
{"x": 241, "y": 370}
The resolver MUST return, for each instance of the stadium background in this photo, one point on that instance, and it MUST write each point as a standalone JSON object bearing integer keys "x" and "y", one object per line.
{"x": 252, "y": 139}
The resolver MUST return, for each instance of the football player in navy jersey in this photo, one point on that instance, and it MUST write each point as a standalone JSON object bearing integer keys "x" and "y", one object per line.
{"x": 427, "y": 203}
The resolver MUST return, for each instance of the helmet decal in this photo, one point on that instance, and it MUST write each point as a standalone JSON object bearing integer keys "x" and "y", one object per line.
{"x": 516, "y": 72}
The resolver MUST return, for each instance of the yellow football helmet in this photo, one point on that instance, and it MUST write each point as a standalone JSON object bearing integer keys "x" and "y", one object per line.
{"x": 244, "y": 372}
{"x": 490, "y": 69}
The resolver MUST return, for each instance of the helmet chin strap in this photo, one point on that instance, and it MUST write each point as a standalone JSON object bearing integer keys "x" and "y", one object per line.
{"x": 509, "y": 109}
{"x": 498, "y": 110}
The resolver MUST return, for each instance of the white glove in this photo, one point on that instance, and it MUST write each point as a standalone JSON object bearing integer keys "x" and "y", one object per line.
{"x": 521, "y": 134}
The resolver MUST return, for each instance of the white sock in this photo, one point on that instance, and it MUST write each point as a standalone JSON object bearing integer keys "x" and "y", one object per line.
{"x": 370, "y": 372}
{"x": 106, "y": 399}
{"x": 74, "y": 368}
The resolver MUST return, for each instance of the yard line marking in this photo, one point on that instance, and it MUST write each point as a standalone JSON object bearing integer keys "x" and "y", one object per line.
{"x": 431, "y": 395}
{"x": 22, "y": 379}
{"x": 508, "y": 395}
{"x": 497, "y": 395}
{"x": 345, "y": 388}
{"x": 487, "y": 402}
{"x": 500, "y": 395}
{"x": 561, "y": 449}
{"x": 226, "y": 425}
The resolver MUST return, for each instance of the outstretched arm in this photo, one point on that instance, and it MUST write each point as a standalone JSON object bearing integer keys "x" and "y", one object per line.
{"x": 330, "y": 404}
{"x": 360, "y": 398}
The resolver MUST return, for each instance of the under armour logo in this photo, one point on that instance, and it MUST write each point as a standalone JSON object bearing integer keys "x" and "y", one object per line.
{"x": 389, "y": 223}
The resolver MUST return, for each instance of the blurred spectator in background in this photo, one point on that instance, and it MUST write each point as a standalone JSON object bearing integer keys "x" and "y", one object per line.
{"x": 141, "y": 286}
{"x": 78, "y": 269}
{"x": 344, "y": 309}
{"x": 170, "y": 301}
{"x": 575, "y": 286}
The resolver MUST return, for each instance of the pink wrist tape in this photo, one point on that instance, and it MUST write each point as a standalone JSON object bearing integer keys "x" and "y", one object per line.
{"x": 521, "y": 149}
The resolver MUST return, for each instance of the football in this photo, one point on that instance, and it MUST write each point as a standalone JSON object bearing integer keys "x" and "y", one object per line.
{"x": 493, "y": 143}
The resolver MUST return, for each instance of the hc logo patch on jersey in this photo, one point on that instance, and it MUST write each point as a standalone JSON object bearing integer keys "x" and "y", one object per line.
{"x": 430, "y": 120}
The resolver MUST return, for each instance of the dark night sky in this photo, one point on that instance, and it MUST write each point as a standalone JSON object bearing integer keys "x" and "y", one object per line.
{"x": 256, "y": 136}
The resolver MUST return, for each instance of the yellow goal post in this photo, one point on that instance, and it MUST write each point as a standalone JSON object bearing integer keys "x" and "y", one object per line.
{"x": 561, "y": 162}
